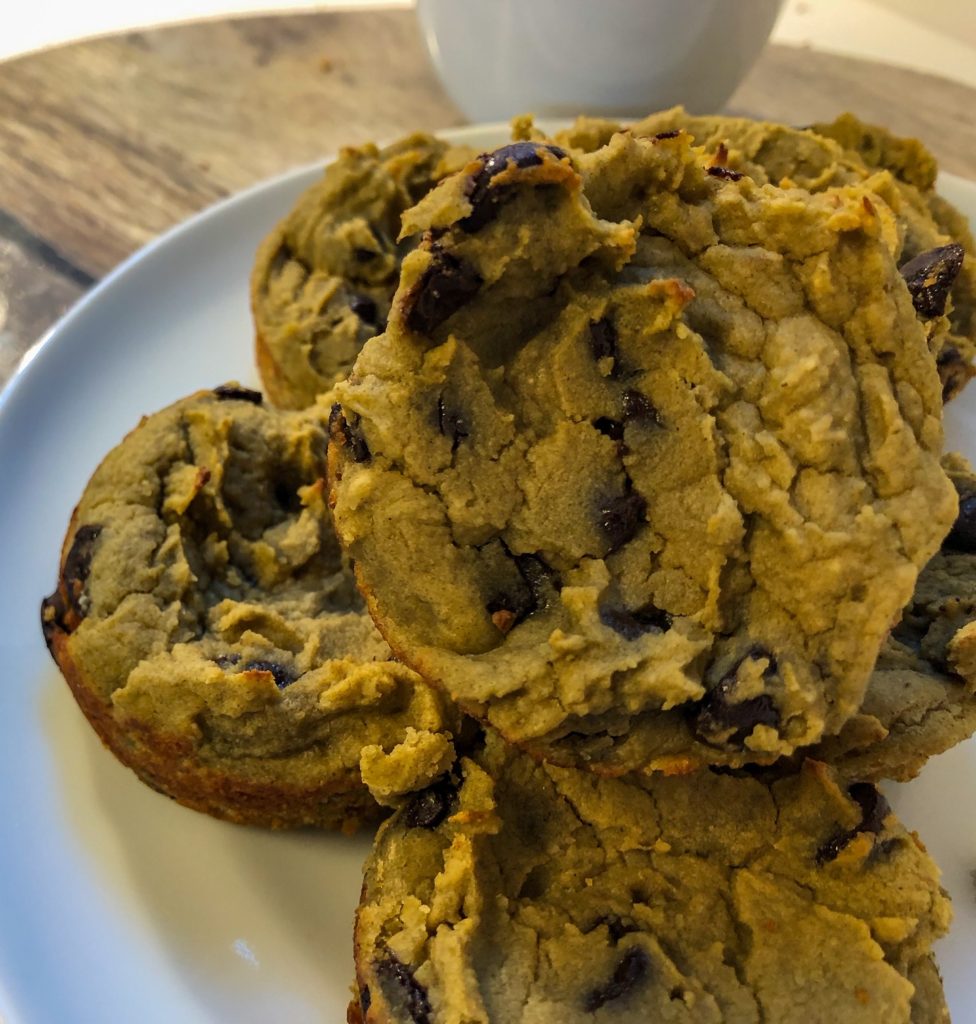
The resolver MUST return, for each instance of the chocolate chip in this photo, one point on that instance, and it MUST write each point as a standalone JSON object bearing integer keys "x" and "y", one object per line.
{"x": 673, "y": 134}
{"x": 538, "y": 581}
{"x": 444, "y": 287}
{"x": 365, "y": 308}
{"x": 929, "y": 277}
{"x": 429, "y": 807}
{"x": 954, "y": 371}
{"x": 77, "y": 565}
{"x": 620, "y": 519}
{"x": 365, "y": 999}
{"x": 874, "y": 809}
{"x": 615, "y": 926}
{"x": 451, "y": 424}
{"x": 402, "y": 989}
{"x": 487, "y": 200}
{"x": 234, "y": 392}
{"x": 637, "y": 406}
{"x": 726, "y": 173}
{"x": 719, "y": 711}
{"x": 962, "y": 536}
{"x": 69, "y": 604}
{"x": 603, "y": 339}
{"x": 613, "y": 429}
{"x": 226, "y": 660}
{"x": 283, "y": 676}
{"x": 540, "y": 577}
{"x": 882, "y": 851}
{"x": 345, "y": 433}
{"x": 631, "y": 970}
{"x": 631, "y": 625}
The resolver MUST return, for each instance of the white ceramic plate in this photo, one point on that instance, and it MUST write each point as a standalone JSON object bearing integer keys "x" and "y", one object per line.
{"x": 117, "y": 906}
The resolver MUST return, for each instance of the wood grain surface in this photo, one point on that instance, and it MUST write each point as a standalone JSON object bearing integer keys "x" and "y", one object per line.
{"x": 105, "y": 144}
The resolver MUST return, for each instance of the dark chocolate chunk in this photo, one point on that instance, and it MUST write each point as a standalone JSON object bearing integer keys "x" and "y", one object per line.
{"x": 345, "y": 433}
{"x": 451, "y": 424}
{"x": 538, "y": 582}
{"x": 673, "y": 134}
{"x": 429, "y": 807}
{"x": 954, "y": 371}
{"x": 283, "y": 676}
{"x": 631, "y": 625}
{"x": 874, "y": 809}
{"x": 444, "y": 287}
{"x": 615, "y": 925}
{"x": 68, "y": 605}
{"x": 402, "y": 989}
{"x": 621, "y": 518}
{"x": 613, "y": 429}
{"x": 77, "y": 565}
{"x": 364, "y": 307}
{"x": 882, "y": 851}
{"x": 719, "y": 711}
{"x": 603, "y": 339}
{"x": 962, "y": 536}
{"x": 234, "y": 392}
{"x": 631, "y": 970}
{"x": 540, "y": 577}
{"x": 53, "y": 611}
{"x": 637, "y": 406}
{"x": 726, "y": 173}
{"x": 487, "y": 200}
{"x": 930, "y": 276}
{"x": 365, "y": 999}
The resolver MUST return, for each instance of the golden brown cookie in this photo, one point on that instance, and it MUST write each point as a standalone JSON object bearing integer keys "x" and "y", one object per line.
{"x": 210, "y": 631}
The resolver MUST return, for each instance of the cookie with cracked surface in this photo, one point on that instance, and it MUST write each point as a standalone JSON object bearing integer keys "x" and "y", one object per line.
{"x": 522, "y": 892}
{"x": 210, "y": 630}
{"x": 323, "y": 279}
{"x": 576, "y": 493}
{"x": 935, "y": 248}
{"x": 920, "y": 699}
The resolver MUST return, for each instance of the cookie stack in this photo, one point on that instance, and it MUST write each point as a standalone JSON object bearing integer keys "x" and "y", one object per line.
{"x": 644, "y": 460}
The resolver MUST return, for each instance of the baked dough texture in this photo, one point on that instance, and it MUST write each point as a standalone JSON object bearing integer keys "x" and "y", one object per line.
{"x": 211, "y": 632}
{"x": 932, "y": 234}
{"x": 323, "y": 278}
{"x": 519, "y": 892}
{"x": 644, "y": 440}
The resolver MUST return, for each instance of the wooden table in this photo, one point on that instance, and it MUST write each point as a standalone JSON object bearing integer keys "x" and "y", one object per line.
{"x": 105, "y": 144}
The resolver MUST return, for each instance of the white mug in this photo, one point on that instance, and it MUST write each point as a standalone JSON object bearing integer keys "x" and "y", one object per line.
{"x": 498, "y": 58}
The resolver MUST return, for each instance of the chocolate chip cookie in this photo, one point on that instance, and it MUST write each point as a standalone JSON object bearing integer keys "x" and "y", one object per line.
{"x": 210, "y": 631}
{"x": 920, "y": 699}
{"x": 323, "y": 279}
{"x": 643, "y": 437}
{"x": 512, "y": 891}
{"x": 935, "y": 247}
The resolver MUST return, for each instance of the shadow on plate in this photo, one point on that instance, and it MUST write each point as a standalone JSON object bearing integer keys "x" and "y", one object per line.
{"x": 255, "y": 925}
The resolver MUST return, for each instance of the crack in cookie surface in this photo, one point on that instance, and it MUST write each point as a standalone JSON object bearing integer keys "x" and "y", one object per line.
{"x": 548, "y": 894}
{"x": 709, "y": 404}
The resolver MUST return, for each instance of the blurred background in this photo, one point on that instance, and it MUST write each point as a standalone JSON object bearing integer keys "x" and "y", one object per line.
{"x": 938, "y": 36}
